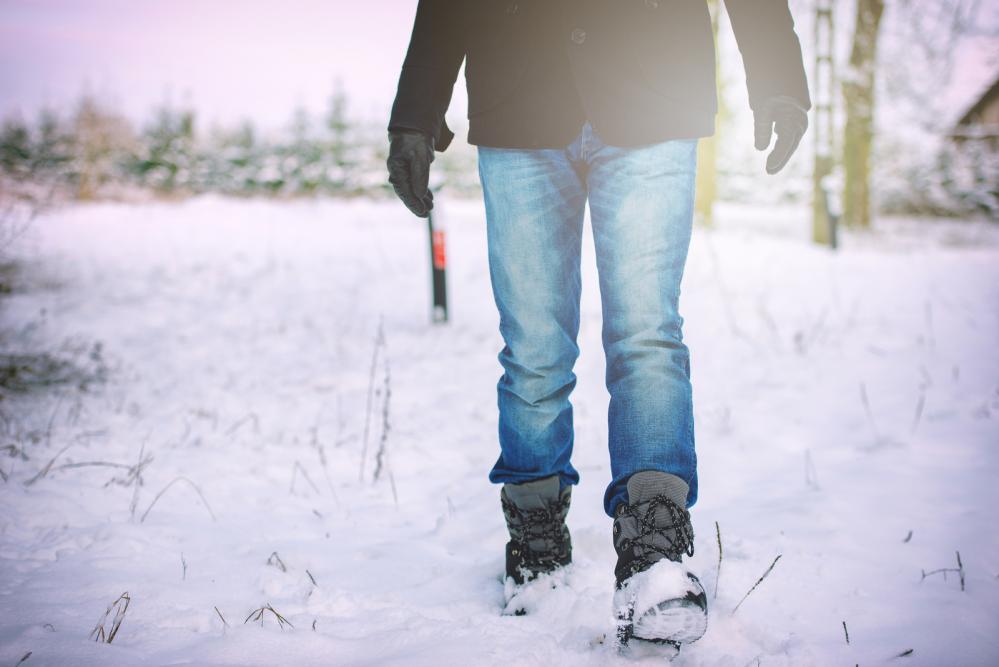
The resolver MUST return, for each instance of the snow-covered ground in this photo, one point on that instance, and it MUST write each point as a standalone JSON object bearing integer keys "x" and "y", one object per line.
{"x": 846, "y": 408}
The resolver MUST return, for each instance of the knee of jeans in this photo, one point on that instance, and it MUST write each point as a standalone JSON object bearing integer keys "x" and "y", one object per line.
{"x": 537, "y": 376}
{"x": 646, "y": 345}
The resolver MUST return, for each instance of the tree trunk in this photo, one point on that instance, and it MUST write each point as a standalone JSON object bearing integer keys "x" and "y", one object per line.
{"x": 858, "y": 93}
{"x": 706, "y": 189}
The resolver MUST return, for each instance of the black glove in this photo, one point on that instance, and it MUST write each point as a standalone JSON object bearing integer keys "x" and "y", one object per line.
{"x": 410, "y": 155}
{"x": 790, "y": 120}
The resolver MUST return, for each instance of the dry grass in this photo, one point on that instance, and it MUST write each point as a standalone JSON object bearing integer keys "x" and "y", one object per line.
{"x": 258, "y": 615}
{"x": 101, "y": 632}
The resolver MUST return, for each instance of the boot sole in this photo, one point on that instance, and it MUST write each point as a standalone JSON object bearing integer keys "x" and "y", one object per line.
{"x": 679, "y": 621}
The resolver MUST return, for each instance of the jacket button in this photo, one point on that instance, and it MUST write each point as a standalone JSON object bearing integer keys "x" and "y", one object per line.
{"x": 578, "y": 36}
{"x": 651, "y": 4}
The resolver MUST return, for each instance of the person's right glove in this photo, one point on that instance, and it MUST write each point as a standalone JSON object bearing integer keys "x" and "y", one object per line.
{"x": 410, "y": 155}
{"x": 789, "y": 120}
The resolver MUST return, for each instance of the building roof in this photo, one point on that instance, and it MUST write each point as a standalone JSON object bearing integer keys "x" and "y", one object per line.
{"x": 987, "y": 98}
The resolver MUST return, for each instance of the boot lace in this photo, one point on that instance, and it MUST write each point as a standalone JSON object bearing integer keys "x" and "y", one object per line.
{"x": 671, "y": 539}
{"x": 537, "y": 524}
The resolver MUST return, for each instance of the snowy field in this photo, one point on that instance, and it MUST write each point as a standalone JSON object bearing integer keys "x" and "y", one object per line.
{"x": 846, "y": 409}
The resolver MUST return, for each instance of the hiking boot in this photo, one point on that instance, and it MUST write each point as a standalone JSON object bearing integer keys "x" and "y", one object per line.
{"x": 539, "y": 545}
{"x": 656, "y": 598}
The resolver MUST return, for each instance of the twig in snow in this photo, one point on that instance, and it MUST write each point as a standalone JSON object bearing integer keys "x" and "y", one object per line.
{"x": 379, "y": 345}
{"x": 312, "y": 579}
{"x": 119, "y": 606}
{"x": 381, "y": 456}
{"x": 758, "y": 582}
{"x": 183, "y": 565}
{"x": 134, "y": 475}
{"x": 904, "y": 654}
{"x": 868, "y": 412}
{"x": 846, "y": 632}
{"x": 321, "y": 449}
{"x": 251, "y": 417}
{"x": 23, "y": 658}
{"x": 920, "y": 404}
{"x": 164, "y": 490}
{"x": 135, "y": 478}
{"x": 48, "y": 429}
{"x": 395, "y": 494}
{"x": 314, "y": 624}
{"x": 91, "y": 464}
{"x": 276, "y": 561}
{"x": 224, "y": 622}
{"x": 944, "y": 570}
{"x": 258, "y": 615}
{"x": 386, "y": 424}
{"x": 48, "y": 466}
{"x": 718, "y": 576}
{"x": 305, "y": 474}
{"x": 907, "y": 538}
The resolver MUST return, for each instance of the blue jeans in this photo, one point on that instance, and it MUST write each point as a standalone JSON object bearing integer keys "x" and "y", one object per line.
{"x": 641, "y": 209}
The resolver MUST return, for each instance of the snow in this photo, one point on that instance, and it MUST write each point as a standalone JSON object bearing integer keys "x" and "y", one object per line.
{"x": 842, "y": 400}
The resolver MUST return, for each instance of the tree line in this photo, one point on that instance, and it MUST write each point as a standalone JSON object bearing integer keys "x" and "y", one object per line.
{"x": 94, "y": 152}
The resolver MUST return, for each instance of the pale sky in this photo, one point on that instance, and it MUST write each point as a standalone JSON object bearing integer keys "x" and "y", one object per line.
{"x": 259, "y": 59}
{"x": 230, "y": 59}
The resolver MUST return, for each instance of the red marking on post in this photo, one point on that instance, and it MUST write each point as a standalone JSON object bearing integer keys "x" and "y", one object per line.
{"x": 440, "y": 259}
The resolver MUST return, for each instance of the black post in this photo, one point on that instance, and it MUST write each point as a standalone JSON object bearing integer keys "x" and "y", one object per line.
{"x": 438, "y": 272}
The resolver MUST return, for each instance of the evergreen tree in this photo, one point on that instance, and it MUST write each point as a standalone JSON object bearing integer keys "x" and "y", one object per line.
{"x": 167, "y": 162}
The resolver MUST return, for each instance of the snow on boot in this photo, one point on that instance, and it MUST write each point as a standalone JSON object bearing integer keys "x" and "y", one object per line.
{"x": 539, "y": 545}
{"x": 656, "y": 599}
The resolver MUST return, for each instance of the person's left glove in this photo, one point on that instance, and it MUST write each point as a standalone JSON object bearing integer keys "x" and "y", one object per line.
{"x": 410, "y": 155}
{"x": 789, "y": 120}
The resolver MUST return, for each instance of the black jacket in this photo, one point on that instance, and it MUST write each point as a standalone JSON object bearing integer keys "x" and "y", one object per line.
{"x": 641, "y": 71}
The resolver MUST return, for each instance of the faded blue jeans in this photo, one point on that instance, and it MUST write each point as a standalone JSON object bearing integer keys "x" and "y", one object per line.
{"x": 641, "y": 210}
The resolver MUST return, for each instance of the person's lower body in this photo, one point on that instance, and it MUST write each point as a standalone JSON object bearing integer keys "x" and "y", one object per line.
{"x": 641, "y": 210}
